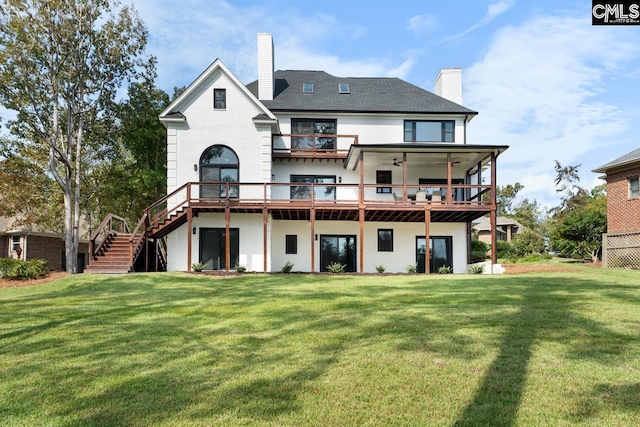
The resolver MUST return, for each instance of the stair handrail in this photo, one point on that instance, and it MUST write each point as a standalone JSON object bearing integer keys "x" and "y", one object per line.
{"x": 138, "y": 238}
{"x": 106, "y": 227}
{"x": 154, "y": 218}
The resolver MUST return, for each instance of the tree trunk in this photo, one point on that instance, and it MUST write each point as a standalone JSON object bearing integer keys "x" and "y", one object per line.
{"x": 70, "y": 243}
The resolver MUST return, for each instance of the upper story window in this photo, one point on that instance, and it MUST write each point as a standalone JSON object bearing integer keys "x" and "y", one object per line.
{"x": 313, "y": 126}
{"x": 219, "y": 99}
{"x": 343, "y": 88}
{"x": 634, "y": 190}
{"x": 307, "y": 87}
{"x": 429, "y": 131}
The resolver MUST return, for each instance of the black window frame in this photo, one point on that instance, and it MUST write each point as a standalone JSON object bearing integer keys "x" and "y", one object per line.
{"x": 291, "y": 244}
{"x": 321, "y": 143}
{"x": 410, "y": 135}
{"x": 381, "y": 241}
{"x": 299, "y": 191}
{"x": 383, "y": 177}
{"x": 219, "y": 96}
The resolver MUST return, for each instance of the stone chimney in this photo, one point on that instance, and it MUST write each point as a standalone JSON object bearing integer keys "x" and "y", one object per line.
{"x": 266, "y": 82}
{"x": 448, "y": 84}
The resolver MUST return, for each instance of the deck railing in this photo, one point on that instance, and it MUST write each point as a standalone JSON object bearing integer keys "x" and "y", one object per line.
{"x": 312, "y": 145}
{"x": 300, "y": 194}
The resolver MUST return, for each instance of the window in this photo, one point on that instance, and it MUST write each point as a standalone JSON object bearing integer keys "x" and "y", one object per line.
{"x": 219, "y": 164}
{"x": 343, "y": 88}
{"x": 633, "y": 187}
{"x": 385, "y": 240}
{"x": 326, "y": 192}
{"x": 15, "y": 243}
{"x": 313, "y": 126}
{"x": 429, "y": 131}
{"x": 383, "y": 177}
{"x": 219, "y": 99}
{"x": 291, "y": 244}
{"x": 307, "y": 87}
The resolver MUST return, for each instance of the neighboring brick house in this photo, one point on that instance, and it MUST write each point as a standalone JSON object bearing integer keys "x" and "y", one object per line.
{"x": 621, "y": 244}
{"x": 31, "y": 244}
{"x": 506, "y": 229}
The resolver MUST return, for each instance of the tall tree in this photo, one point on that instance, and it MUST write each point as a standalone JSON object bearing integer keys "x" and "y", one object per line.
{"x": 137, "y": 164}
{"x": 506, "y": 196}
{"x": 61, "y": 63}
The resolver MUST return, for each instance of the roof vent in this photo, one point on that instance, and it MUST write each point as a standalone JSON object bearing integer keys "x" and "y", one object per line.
{"x": 307, "y": 87}
{"x": 343, "y": 88}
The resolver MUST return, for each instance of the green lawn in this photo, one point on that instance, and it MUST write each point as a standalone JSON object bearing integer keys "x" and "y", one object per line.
{"x": 289, "y": 350}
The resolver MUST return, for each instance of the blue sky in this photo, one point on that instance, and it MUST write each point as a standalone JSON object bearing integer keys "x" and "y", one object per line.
{"x": 544, "y": 80}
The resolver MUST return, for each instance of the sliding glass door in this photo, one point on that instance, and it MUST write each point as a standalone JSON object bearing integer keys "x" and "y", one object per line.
{"x": 340, "y": 249}
{"x": 440, "y": 253}
{"x": 213, "y": 248}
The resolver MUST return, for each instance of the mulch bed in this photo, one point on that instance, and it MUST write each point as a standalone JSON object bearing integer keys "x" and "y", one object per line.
{"x": 54, "y": 275}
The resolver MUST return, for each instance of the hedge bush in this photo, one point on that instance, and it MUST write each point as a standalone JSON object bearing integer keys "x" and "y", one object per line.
{"x": 504, "y": 249}
{"x": 18, "y": 269}
{"x": 479, "y": 250}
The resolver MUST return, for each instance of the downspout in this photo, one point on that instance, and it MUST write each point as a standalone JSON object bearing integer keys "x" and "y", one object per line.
{"x": 466, "y": 119}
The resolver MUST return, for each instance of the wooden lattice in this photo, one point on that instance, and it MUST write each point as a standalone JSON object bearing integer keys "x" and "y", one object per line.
{"x": 621, "y": 250}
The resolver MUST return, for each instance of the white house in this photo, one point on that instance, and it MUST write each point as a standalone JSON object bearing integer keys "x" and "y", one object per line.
{"x": 308, "y": 168}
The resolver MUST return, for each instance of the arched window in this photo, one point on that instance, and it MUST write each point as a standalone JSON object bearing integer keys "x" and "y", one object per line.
{"x": 219, "y": 163}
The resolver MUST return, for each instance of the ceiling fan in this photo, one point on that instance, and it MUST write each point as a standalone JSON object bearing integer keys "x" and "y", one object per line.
{"x": 397, "y": 163}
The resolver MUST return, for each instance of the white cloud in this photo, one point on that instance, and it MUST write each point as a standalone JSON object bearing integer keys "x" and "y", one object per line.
{"x": 493, "y": 11}
{"x": 537, "y": 89}
{"x": 421, "y": 25}
{"x": 185, "y": 44}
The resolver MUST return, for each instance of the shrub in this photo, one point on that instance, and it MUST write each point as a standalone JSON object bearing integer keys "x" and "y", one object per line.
{"x": 17, "y": 269}
{"x": 380, "y": 268}
{"x": 478, "y": 256}
{"x": 479, "y": 245}
{"x": 336, "y": 267}
{"x": 504, "y": 249}
{"x": 197, "y": 267}
{"x": 445, "y": 269}
{"x": 475, "y": 269}
{"x": 287, "y": 267}
{"x": 240, "y": 268}
{"x": 411, "y": 269}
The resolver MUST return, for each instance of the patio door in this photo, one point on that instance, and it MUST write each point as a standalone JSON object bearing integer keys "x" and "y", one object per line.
{"x": 440, "y": 253}
{"x": 342, "y": 249}
{"x": 213, "y": 248}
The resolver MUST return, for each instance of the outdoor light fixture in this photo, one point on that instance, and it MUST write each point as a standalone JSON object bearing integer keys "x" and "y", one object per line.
{"x": 339, "y": 180}
{"x": 273, "y": 177}
{"x": 194, "y": 230}
{"x": 195, "y": 168}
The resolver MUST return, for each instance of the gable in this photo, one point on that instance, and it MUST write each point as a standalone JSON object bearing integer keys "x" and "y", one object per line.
{"x": 199, "y": 95}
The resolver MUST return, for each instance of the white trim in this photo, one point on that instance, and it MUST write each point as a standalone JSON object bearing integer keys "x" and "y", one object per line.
{"x": 193, "y": 87}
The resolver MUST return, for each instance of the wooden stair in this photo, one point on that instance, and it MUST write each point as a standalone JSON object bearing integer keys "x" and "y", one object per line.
{"x": 114, "y": 257}
{"x": 169, "y": 224}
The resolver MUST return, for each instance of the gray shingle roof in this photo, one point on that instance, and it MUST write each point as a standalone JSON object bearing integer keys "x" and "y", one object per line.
{"x": 382, "y": 95}
{"x": 628, "y": 158}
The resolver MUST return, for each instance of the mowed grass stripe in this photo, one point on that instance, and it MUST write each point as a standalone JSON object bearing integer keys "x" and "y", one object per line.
{"x": 184, "y": 349}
